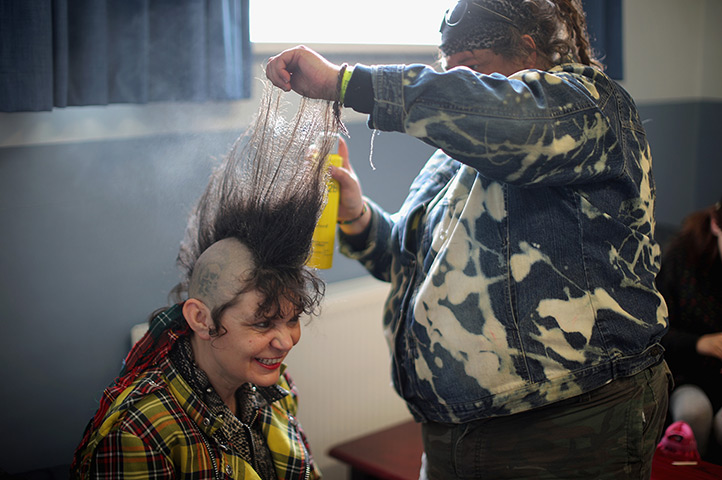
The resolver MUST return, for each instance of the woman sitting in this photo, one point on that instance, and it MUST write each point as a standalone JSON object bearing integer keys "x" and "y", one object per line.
{"x": 691, "y": 282}
{"x": 204, "y": 394}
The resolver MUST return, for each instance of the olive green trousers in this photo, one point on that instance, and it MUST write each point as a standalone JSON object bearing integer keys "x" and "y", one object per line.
{"x": 608, "y": 433}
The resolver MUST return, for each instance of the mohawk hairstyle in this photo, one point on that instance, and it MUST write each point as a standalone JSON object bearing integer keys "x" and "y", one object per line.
{"x": 268, "y": 193}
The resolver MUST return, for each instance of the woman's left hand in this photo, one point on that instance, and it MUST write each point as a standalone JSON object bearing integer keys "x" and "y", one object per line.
{"x": 351, "y": 202}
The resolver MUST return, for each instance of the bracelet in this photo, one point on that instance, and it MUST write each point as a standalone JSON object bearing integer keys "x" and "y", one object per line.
{"x": 339, "y": 82}
{"x": 349, "y": 222}
{"x": 345, "y": 78}
{"x": 337, "y": 103}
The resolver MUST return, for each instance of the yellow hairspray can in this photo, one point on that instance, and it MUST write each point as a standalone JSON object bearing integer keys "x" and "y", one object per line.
{"x": 324, "y": 235}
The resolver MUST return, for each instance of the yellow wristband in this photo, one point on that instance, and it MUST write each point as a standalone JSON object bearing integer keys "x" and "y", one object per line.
{"x": 344, "y": 82}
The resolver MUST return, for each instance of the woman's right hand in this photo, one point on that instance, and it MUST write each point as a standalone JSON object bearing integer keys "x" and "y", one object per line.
{"x": 305, "y": 72}
{"x": 351, "y": 202}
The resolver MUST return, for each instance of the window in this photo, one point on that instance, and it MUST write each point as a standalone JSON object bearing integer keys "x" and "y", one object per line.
{"x": 402, "y": 22}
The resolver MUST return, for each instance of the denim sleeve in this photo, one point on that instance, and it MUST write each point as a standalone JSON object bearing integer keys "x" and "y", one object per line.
{"x": 376, "y": 253}
{"x": 534, "y": 128}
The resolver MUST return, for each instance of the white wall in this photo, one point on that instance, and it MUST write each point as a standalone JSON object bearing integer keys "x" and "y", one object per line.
{"x": 712, "y": 45}
{"x": 341, "y": 367}
{"x": 672, "y": 50}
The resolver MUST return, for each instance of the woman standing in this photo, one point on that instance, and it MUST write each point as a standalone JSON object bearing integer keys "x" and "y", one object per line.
{"x": 523, "y": 319}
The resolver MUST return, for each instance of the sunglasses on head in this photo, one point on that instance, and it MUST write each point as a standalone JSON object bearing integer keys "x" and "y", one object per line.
{"x": 471, "y": 9}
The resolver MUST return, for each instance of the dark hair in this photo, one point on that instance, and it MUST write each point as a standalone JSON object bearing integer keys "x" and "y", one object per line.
{"x": 558, "y": 27}
{"x": 696, "y": 235}
{"x": 560, "y": 16}
{"x": 302, "y": 288}
{"x": 268, "y": 193}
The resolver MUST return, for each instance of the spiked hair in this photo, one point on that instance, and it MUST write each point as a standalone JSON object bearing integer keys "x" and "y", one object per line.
{"x": 268, "y": 193}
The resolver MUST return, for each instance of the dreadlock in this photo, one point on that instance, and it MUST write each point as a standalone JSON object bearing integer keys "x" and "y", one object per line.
{"x": 559, "y": 29}
{"x": 571, "y": 13}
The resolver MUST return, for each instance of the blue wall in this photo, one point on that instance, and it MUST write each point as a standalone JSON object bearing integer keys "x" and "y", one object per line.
{"x": 687, "y": 154}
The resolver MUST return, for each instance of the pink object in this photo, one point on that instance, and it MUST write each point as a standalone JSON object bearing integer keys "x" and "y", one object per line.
{"x": 679, "y": 443}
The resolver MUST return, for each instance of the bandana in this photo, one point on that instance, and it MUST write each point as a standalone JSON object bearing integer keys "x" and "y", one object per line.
{"x": 482, "y": 26}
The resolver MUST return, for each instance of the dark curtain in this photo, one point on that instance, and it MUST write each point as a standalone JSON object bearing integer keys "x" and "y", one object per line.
{"x": 604, "y": 22}
{"x": 58, "y": 53}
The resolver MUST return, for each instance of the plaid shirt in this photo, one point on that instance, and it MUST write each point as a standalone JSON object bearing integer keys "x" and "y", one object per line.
{"x": 151, "y": 425}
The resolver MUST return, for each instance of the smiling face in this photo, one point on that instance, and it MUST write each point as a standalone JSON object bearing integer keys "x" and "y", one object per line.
{"x": 249, "y": 347}
{"x": 232, "y": 341}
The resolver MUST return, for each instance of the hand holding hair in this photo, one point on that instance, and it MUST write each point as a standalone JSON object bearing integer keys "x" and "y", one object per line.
{"x": 305, "y": 72}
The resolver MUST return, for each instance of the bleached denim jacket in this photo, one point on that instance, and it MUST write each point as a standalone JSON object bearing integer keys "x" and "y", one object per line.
{"x": 522, "y": 262}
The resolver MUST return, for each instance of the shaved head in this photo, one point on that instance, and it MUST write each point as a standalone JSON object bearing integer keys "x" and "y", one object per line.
{"x": 221, "y": 273}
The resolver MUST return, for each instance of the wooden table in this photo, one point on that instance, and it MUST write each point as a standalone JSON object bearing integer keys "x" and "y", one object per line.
{"x": 390, "y": 454}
